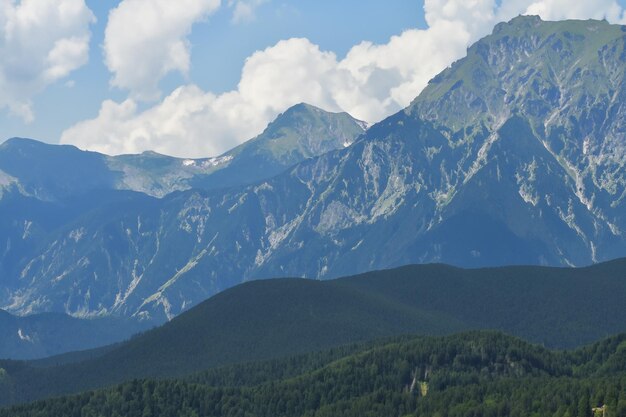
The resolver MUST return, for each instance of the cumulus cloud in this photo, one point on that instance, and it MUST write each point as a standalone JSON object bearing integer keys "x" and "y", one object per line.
{"x": 147, "y": 39}
{"x": 370, "y": 82}
{"x": 191, "y": 122}
{"x": 564, "y": 9}
{"x": 41, "y": 41}
{"x": 243, "y": 10}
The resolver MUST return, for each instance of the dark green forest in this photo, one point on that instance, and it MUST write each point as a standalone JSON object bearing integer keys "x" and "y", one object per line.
{"x": 261, "y": 320}
{"x": 472, "y": 374}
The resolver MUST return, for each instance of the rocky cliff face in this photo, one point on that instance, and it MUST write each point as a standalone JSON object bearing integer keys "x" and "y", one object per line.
{"x": 555, "y": 94}
{"x": 513, "y": 155}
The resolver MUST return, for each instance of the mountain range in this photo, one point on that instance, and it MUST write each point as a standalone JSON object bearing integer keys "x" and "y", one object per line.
{"x": 53, "y": 173}
{"x": 47, "y": 189}
{"x": 513, "y": 155}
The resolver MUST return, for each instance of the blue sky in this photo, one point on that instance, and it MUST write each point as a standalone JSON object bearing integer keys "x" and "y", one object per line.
{"x": 113, "y": 89}
{"x": 219, "y": 47}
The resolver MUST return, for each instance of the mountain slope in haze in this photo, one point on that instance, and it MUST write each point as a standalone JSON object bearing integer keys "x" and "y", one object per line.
{"x": 512, "y": 156}
{"x": 51, "y": 193}
{"x": 48, "y": 334}
{"x": 542, "y": 106}
{"x": 477, "y": 373}
{"x": 53, "y": 172}
{"x": 558, "y": 307}
{"x": 301, "y": 132}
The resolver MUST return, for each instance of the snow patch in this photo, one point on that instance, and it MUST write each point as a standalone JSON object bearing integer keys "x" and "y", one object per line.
{"x": 355, "y": 247}
{"x": 213, "y": 162}
{"x": 23, "y": 336}
{"x": 594, "y": 256}
{"x": 586, "y": 145}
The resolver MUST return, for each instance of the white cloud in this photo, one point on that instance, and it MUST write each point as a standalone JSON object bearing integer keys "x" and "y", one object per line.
{"x": 191, "y": 122}
{"x": 385, "y": 78}
{"x": 244, "y": 9}
{"x": 563, "y": 9}
{"x": 147, "y": 39}
{"x": 41, "y": 42}
{"x": 371, "y": 82}
{"x": 186, "y": 120}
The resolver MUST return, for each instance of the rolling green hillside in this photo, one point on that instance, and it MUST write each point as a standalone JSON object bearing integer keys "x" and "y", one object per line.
{"x": 557, "y": 307}
{"x": 472, "y": 374}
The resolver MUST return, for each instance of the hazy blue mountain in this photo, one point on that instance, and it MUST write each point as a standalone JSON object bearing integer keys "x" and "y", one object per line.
{"x": 513, "y": 155}
{"x": 557, "y": 307}
{"x": 48, "y": 334}
{"x": 47, "y": 192}
{"x": 53, "y": 172}
{"x": 541, "y": 109}
{"x": 301, "y": 132}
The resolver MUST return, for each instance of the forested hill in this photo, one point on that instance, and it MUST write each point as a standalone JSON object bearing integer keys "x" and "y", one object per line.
{"x": 557, "y": 307}
{"x": 472, "y": 374}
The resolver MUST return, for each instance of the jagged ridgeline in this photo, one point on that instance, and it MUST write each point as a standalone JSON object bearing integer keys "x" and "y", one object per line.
{"x": 513, "y": 155}
{"x": 479, "y": 374}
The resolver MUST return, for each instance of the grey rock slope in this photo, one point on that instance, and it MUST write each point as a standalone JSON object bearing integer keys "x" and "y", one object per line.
{"x": 47, "y": 190}
{"x": 514, "y": 155}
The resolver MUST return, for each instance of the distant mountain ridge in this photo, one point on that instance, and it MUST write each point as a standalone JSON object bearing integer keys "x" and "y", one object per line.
{"x": 46, "y": 189}
{"x": 49, "y": 334}
{"x": 54, "y": 172}
{"x": 513, "y": 155}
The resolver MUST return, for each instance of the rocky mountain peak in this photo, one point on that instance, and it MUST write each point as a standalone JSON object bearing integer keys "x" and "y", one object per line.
{"x": 513, "y": 155}
{"x": 301, "y": 132}
{"x": 527, "y": 66}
